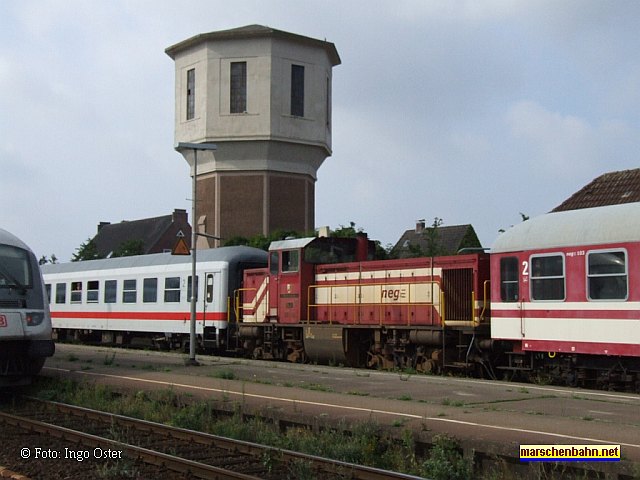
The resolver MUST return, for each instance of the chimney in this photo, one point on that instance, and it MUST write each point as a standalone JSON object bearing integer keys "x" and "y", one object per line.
{"x": 362, "y": 247}
{"x": 420, "y": 224}
{"x": 179, "y": 214}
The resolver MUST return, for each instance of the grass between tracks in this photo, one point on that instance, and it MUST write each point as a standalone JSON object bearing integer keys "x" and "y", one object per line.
{"x": 363, "y": 444}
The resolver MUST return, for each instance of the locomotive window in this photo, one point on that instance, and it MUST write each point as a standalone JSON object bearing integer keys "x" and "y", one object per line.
{"x": 15, "y": 268}
{"x": 607, "y": 275}
{"x": 509, "y": 279}
{"x": 189, "y": 288}
{"x": 110, "y": 291}
{"x": 274, "y": 265}
{"x": 150, "y": 290}
{"x": 129, "y": 293}
{"x": 61, "y": 293}
{"x": 290, "y": 260}
{"x": 92, "y": 291}
{"x": 76, "y": 292}
{"x": 547, "y": 277}
{"x": 172, "y": 289}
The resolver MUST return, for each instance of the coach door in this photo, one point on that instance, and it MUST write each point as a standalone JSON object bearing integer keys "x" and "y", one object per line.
{"x": 511, "y": 271}
{"x": 211, "y": 311}
{"x": 209, "y": 306}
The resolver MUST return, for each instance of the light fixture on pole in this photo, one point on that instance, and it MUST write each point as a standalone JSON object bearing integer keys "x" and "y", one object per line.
{"x": 194, "y": 284}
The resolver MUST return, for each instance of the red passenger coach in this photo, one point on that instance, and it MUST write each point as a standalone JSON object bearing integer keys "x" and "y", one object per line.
{"x": 324, "y": 299}
{"x": 566, "y": 291}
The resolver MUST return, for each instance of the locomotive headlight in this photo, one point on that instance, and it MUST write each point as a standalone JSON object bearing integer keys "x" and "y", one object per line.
{"x": 34, "y": 318}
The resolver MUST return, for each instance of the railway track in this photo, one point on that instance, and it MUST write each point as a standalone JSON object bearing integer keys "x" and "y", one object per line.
{"x": 100, "y": 435}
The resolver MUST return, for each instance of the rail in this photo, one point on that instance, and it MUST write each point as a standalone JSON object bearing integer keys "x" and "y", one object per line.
{"x": 150, "y": 430}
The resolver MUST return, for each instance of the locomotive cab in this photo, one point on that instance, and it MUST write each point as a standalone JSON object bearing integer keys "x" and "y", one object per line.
{"x": 25, "y": 323}
{"x": 292, "y": 271}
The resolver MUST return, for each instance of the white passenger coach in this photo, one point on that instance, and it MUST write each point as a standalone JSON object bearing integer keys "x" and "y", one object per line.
{"x": 121, "y": 300}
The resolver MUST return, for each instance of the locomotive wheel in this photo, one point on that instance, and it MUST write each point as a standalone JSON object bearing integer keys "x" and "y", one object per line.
{"x": 427, "y": 365}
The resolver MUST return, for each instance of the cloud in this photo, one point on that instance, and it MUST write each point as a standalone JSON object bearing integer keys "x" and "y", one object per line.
{"x": 469, "y": 111}
{"x": 556, "y": 143}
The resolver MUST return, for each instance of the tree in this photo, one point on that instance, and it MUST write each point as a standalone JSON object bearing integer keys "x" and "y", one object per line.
{"x": 346, "y": 232}
{"x": 351, "y": 231}
{"x": 86, "y": 251}
{"x": 44, "y": 259}
{"x": 129, "y": 248}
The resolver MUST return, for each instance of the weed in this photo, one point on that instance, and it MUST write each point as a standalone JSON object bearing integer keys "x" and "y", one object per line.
{"x": 445, "y": 461}
{"x": 120, "y": 469}
{"x": 452, "y": 403}
{"x": 72, "y": 358}
{"x": 108, "y": 360}
{"x": 316, "y": 386}
{"x": 399, "y": 423}
{"x": 225, "y": 374}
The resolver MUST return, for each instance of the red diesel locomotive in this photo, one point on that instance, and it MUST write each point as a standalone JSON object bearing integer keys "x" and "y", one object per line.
{"x": 324, "y": 300}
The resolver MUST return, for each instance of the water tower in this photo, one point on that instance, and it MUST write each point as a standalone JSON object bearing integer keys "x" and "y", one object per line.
{"x": 263, "y": 96}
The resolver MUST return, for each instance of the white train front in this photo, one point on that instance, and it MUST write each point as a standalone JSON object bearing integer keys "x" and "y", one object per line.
{"x": 25, "y": 324}
{"x": 120, "y": 300}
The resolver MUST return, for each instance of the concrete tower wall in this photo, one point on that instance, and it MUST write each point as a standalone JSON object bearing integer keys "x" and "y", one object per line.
{"x": 262, "y": 177}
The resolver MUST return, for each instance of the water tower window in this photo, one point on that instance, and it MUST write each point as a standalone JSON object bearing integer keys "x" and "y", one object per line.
{"x": 297, "y": 90}
{"x": 238, "y": 87}
{"x": 191, "y": 93}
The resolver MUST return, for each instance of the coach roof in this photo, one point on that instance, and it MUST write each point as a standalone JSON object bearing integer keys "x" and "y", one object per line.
{"x": 584, "y": 227}
{"x": 223, "y": 254}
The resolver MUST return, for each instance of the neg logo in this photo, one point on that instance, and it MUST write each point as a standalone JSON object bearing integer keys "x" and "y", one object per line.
{"x": 3, "y": 321}
{"x": 394, "y": 294}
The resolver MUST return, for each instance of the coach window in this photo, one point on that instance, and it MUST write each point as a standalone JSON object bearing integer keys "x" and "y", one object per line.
{"x": 110, "y": 291}
{"x": 47, "y": 287}
{"x": 607, "y": 275}
{"x": 189, "y": 288}
{"x": 92, "y": 291}
{"x": 209, "y": 288}
{"x": 150, "y": 290}
{"x": 129, "y": 293}
{"x": 509, "y": 279}
{"x": 290, "y": 261}
{"x": 76, "y": 292}
{"x": 274, "y": 264}
{"x": 172, "y": 289}
{"x": 547, "y": 277}
{"x": 61, "y": 293}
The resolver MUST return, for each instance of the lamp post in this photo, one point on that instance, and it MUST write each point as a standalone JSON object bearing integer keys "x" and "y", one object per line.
{"x": 194, "y": 291}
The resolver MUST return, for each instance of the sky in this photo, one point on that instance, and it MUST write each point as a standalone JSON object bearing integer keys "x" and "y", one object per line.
{"x": 472, "y": 111}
